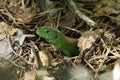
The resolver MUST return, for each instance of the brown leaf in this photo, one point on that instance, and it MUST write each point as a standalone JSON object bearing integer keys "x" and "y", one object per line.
{"x": 107, "y": 7}
{"x": 87, "y": 39}
{"x": 41, "y": 74}
{"x": 6, "y": 30}
{"x": 45, "y": 57}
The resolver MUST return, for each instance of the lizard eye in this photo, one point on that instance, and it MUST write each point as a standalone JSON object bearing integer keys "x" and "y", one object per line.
{"x": 47, "y": 31}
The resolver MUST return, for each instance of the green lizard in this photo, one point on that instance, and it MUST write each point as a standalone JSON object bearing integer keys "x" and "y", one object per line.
{"x": 65, "y": 44}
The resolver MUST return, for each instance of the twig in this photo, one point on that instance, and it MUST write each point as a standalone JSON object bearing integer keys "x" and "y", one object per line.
{"x": 11, "y": 62}
{"x": 17, "y": 54}
{"x": 81, "y": 15}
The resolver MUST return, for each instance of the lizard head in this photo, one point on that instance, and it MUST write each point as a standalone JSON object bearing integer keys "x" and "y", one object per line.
{"x": 47, "y": 33}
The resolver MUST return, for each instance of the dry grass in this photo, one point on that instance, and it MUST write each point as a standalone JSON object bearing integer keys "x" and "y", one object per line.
{"x": 27, "y": 16}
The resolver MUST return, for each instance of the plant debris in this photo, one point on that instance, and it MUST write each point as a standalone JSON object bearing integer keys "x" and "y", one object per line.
{"x": 22, "y": 52}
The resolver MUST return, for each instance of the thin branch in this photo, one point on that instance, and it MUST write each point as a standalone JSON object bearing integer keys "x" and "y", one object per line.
{"x": 80, "y": 14}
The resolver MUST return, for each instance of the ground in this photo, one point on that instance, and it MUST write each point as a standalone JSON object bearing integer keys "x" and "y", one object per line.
{"x": 94, "y": 25}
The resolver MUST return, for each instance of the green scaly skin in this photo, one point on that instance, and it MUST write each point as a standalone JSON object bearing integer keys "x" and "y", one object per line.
{"x": 58, "y": 39}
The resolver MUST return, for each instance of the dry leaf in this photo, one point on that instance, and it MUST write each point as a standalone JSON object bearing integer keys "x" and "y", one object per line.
{"x": 109, "y": 35}
{"x": 87, "y": 39}
{"x": 48, "y": 78}
{"x": 41, "y": 74}
{"x": 20, "y": 37}
{"x": 25, "y": 14}
{"x": 5, "y": 48}
{"x": 6, "y": 30}
{"x": 106, "y": 6}
{"x": 29, "y": 76}
{"x": 45, "y": 57}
